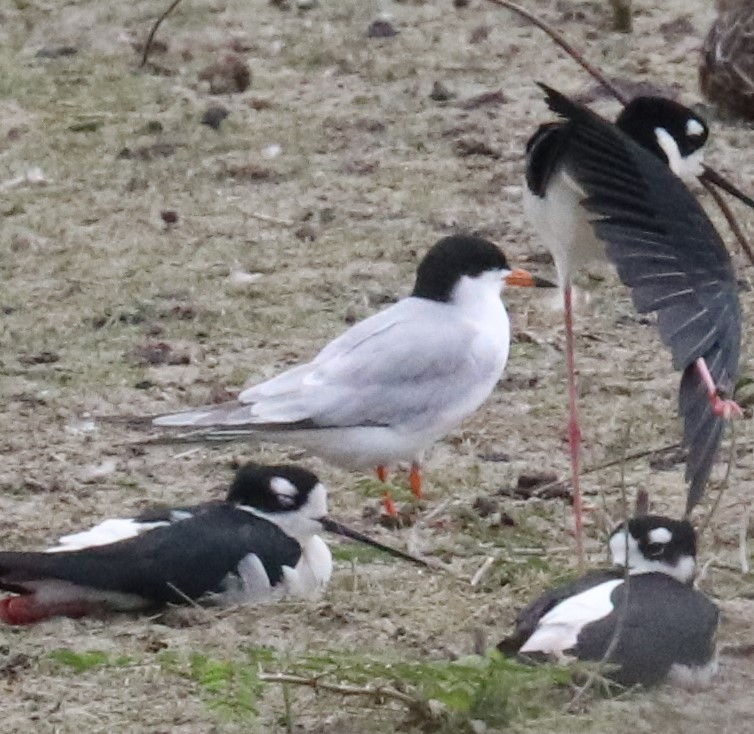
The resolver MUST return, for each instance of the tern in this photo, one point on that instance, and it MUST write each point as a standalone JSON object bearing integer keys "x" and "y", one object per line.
{"x": 392, "y": 385}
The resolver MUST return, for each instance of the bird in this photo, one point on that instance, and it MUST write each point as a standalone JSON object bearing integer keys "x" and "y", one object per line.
{"x": 392, "y": 385}
{"x": 261, "y": 543}
{"x": 664, "y": 628}
{"x": 726, "y": 66}
{"x": 597, "y": 190}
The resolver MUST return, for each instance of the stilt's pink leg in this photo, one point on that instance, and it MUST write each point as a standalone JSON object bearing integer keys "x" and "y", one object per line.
{"x": 574, "y": 429}
{"x": 723, "y": 407}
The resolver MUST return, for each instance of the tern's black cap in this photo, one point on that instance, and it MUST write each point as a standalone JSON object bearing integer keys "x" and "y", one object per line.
{"x": 450, "y": 259}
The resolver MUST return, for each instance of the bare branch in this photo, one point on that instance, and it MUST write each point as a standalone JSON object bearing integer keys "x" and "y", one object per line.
{"x": 150, "y": 37}
{"x": 621, "y": 97}
{"x": 728, "y": 214}
{"x": 566, "y": 46}
{"x": 378, "y": 693}
{"x": 723, "y": 484}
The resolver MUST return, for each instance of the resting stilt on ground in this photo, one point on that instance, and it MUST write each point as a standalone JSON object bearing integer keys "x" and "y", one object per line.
{"x": 261, "y": 543}
{"x": 392, "y": 385}
{"x": 664, "y": 629}
{"x": 598, "y": 190}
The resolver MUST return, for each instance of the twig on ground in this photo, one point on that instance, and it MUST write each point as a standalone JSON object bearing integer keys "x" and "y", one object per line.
{"x": 378, "y": 693}
{"x": 743, "y": 537}
{"x": 150, "y": 37}
{"x": 482, "y": 570}
{"x": 613, "y": 462}
{"x": 271, "y": 220}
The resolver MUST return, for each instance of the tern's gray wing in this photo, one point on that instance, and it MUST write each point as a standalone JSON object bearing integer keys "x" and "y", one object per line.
{"x": 411, "y": 363}
{"x": 408, "y": 369}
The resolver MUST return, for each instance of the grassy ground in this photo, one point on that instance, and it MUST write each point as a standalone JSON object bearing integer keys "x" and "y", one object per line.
{"x": 370, "y": 172}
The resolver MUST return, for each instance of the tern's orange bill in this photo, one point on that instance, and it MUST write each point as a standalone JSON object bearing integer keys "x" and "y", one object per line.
{"x": 525, "y": 279}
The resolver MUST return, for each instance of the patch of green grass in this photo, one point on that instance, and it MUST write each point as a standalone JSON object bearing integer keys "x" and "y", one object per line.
{"x": 357, "y": 552}
{"x": 231, "y": 689}
{"x": 80, "y": 662}
{"x": 491, "y": 689}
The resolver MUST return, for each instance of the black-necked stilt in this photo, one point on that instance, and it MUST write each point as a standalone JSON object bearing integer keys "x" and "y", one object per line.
{"x": 392, "y": 385}
{"x": 261, "y": 543}
{"x": 596, "y": 189}
{"x": 665, "y": 628}
{"x": 726, "y": 69}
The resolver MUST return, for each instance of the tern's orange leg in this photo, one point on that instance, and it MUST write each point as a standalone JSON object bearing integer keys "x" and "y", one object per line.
{"x": 415, "y": 480}
{"x": 387, "y": 499}
{"x": 723, "y": 407}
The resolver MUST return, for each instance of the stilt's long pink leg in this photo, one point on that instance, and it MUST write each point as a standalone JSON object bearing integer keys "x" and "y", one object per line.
{"x": 574, "y": 429}
{"x": 723, "y": 407}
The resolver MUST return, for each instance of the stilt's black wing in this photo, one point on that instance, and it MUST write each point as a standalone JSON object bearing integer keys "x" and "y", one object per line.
{"x": 669, "y": 254}
{"x": 186, "y": 559}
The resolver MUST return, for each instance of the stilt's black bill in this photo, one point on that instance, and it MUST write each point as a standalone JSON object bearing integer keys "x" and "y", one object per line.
{"x": 338, "y": 528}
{"x": 714, "y": 177}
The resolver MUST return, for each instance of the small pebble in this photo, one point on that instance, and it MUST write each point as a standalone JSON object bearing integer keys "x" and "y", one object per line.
{"x": 440, "y": 93}
{"x": 381, "y": 29}
{"x": 214, "y": 115}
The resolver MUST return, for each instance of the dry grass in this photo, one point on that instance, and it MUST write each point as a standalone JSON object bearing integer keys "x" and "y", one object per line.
{"x": 370, "y": 168}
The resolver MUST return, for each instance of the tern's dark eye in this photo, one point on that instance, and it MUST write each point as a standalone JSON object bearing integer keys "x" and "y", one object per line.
{"x": 655, "y": 550}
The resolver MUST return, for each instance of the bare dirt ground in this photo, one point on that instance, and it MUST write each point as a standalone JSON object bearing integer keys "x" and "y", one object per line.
{"x": 99, "y": 292}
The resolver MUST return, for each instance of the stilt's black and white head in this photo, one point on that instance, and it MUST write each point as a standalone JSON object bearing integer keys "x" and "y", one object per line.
{"x": 458, "y": 262}
{"x": 674, "y": 133}
{"x": 656, "y": 544}
{"x": 289, "y": 496}
{"x": 296, "y": 501}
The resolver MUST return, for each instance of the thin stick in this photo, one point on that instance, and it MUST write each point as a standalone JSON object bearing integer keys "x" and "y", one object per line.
{"x": 723, "y": 484}
{"x": 376, "y": 692}
{"x": 609, "y": 464}
{"x": 728, "y": 214}
{"x": 623, "y": 99}
{"x": 150, "y": 37}
{"x": 566, "y": 46}
{"x": 482, "y": 570}
{"x": 271, "y": 220}
{"x": 743, "y": 534}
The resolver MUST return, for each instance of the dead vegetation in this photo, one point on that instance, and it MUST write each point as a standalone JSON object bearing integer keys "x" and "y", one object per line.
{"x": 304, "y": 209}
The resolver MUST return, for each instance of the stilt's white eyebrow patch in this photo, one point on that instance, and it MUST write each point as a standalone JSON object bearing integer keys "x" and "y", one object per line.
{"x": 683, "y": 167}
{"x": 660, "y": 535}
{"x": 283, "y": 488}
{"x": 694, "y": 128}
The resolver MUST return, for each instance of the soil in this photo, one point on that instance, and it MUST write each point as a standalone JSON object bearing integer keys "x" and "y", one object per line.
{"x": 152, "y": 262}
